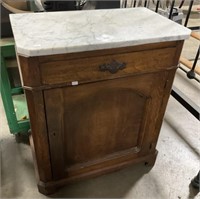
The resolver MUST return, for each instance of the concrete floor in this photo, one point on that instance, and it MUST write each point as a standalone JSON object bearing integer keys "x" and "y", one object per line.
{"x": 177, "y": 163}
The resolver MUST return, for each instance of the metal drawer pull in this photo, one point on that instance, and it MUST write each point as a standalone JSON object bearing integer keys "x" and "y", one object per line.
{"x": 112, "y": 67}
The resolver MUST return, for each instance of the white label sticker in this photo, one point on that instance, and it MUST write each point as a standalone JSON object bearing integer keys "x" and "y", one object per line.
{"x": 74, "y": 83}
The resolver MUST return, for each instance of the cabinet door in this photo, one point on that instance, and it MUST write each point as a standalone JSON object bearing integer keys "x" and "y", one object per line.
{"x": 92, "y": 126}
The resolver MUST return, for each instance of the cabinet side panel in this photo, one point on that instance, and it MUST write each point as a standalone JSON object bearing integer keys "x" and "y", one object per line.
{"x": 179, "y": 47}
{"x": 29, "y": 69}
{"x": 167, "y": 90}
{"x": 165, "y": 98}
{"x": 39, "y": 134}
{"x": 161, "y": 94}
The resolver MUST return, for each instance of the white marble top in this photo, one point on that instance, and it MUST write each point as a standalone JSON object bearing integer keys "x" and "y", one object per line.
{"x": 76, "y": 31}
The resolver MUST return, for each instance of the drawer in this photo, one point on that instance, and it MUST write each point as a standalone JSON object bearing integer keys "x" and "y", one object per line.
{"x": 97, "y": 68}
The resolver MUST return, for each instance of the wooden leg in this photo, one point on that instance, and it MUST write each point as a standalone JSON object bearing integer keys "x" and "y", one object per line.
{"x": 46, "y": 190}
{"x": 151, "y": 161}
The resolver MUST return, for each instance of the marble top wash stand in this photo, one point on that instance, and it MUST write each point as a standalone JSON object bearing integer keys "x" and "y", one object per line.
{"x": 97, "y": 85}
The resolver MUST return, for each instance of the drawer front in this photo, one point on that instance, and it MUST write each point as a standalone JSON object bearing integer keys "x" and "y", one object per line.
{"x": 106, "y": 67}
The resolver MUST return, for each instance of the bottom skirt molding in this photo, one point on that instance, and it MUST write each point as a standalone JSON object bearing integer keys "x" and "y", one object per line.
{"x": 51, "y": 187}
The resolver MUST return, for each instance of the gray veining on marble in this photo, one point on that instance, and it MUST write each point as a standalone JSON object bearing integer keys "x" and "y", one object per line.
{"x": 76, "y": 31}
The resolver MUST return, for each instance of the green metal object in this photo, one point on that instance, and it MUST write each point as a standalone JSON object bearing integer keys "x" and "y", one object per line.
{"x": 12, "y": 97}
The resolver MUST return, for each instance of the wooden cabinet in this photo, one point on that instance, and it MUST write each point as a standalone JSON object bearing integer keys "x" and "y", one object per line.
{"x": 96, "y": 112}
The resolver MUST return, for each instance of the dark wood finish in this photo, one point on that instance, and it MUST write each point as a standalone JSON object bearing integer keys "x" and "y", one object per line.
{"x": 86, "y": 121}
{"x": 148, "y": 160}
{"x": 29, "y": 66}
{"x": 39, "y": 134}
{"x": 98, "y": 114}
{"x": 87, "y": 69}
{"x": 60, "y": 57}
